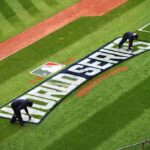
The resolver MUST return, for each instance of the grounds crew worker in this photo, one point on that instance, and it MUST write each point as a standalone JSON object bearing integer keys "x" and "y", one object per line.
{"x": 17, "y": 105}
{"x": 131, "y": 36}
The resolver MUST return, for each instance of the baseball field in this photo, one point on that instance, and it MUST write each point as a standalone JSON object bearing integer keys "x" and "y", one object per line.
{"x": 107, "y": 111}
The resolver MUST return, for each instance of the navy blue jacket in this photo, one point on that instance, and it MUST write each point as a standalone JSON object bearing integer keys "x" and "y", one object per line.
{"x": 19, "y": 104}
{"x": 130, "y": 36}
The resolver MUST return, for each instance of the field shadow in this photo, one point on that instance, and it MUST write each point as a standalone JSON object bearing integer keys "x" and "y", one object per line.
{"x": 106, "y": 122}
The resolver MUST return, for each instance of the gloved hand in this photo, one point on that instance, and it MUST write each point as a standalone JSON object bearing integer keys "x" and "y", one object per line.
{"x": 29, "y": 116}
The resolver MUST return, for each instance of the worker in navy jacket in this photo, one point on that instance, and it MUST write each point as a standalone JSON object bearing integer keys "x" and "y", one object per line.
{"x": 131, "y": 36}
{"x": 17, "y": 105}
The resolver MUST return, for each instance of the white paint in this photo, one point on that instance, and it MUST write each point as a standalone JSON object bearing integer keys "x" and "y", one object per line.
{"x": 4, "y": 115}
{"x": 54, "y": 89}
{"x": 114, "y": 47}
{"x": 48, "y": 103}
{"x": 48, "y": 68}
{"x": 24, "y": 116}
{"x": 8, "y": 110}
{"x": 53, "y": 68}
{"x": 31, "y": 110}
{"x": 142, "y": 45}
{"x": 116, "y": 53}
{"x": 61, "y": 87}
{"x": 142, "y": 29}
{"x": 47, "y": 93}
{"x": 107, "y": 58}
{"x": 33, "y": 119}
{"x": 34, "y": 98}
{"x": 91, "y": 62}
{"x": 89, "y": 71}
{"x": 68, "y": 78}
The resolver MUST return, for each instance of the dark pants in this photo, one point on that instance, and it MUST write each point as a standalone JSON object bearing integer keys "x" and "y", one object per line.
{"x": 124, "y": 39}
{"x": 17, "y": 115}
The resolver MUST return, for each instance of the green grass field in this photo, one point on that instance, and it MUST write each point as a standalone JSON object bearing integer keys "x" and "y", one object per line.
{"x": 114, "y": 114}
{"x": 18, "y": 15}
{"x": 147, "y": 28}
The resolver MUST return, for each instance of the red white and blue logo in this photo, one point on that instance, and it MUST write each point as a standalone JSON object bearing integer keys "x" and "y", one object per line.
{"x": 48, "y": 69}
{"x": 48, "y": 94}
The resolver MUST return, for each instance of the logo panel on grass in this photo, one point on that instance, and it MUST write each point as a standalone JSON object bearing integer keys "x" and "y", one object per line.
{"x": 48, "y": 69}
{"x": 48, "y": 94}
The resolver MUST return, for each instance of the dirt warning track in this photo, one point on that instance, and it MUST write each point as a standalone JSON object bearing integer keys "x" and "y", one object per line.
{"x": 33, "y": 34}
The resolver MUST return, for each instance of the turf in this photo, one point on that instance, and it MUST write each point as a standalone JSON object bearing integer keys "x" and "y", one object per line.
{"x": 147, "y": 28}
{"x": 29, "y": 6}
{"x": 114, "y": 114}
{"x": 18, "y": 15}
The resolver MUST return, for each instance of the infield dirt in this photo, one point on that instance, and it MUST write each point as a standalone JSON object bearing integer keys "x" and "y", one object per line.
{"x": 35, "y": 33}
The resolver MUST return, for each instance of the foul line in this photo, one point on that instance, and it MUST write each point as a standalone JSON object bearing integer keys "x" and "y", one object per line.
{"x": 142, "y": 29}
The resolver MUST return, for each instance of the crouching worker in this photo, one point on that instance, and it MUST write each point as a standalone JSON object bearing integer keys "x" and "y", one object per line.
{"x": 131, "y": 36}
{"x": 17, "y": 105}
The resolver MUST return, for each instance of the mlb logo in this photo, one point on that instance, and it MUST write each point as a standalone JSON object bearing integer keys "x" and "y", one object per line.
{"x": 47, "y": 69}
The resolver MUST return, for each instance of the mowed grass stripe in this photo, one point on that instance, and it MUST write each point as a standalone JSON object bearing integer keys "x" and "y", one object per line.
{"x": 5, "y": 25}
{"x": 49, "y": 45}
{"x": 20, "y": 11}
{"x": 111, "y": 111}
{"x": 85, "y": 106}
{"x": 72, "y": 115}
{"x": 51, "y": 3}
{"x": 22, "y": 14}
{"x": 43, "y": 49}
{"x": 147, "y": 28}
{"x": 106, "y": 122}
{"x": 42, "y": 6}
{"x": 8, "y": 13}
{"x": 29, "y": 6}
{"x": 6, "y": 10}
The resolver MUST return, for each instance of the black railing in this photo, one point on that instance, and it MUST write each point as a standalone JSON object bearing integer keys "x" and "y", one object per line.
{"x": 144, "y": 145}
